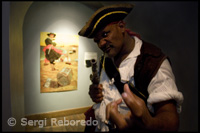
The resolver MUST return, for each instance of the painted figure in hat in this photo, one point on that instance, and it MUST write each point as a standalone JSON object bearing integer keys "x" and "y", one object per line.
{"x": 50, "y": 39}
{"x": 51, "y": 53}
{"x": 137, "y": 89}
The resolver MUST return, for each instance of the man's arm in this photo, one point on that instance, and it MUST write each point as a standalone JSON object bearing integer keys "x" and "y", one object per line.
{"x": 166, "y": 117}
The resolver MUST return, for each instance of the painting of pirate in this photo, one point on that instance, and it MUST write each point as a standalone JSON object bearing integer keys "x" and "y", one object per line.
{"x": 51, "y": 53}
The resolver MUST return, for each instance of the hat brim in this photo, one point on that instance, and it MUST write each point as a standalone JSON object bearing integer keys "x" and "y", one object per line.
{"x": 104, "y": 16}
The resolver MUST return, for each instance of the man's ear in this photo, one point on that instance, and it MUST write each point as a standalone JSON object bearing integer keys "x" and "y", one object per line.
{"x": 121, "y": 24}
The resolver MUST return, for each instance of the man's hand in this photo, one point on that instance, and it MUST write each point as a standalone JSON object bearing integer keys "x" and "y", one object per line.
{"x": 113, "y": 115}
{"x": 95, "y": 93}
{"x": 135, "y": 104}
{"x": 165, "y": 117}
{"x": 137, "y": 107}
{"x": 112, "y": 109}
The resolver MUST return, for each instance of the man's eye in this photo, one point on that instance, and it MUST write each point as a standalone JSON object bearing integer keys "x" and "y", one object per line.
{"x": 105, "y": 34}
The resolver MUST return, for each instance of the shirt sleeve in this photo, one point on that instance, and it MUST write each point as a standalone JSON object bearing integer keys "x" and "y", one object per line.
{"x": 163, "y": 87}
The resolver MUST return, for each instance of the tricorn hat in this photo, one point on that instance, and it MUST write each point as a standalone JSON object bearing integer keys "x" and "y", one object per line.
{"x": 103, "y": 17}
{"x": 51, "y": 33}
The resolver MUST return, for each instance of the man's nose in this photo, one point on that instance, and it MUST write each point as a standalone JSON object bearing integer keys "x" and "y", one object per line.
{"x": 102, "y": 43}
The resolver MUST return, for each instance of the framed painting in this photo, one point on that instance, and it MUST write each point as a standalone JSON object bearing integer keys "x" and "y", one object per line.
{"x": 58, "y": 62}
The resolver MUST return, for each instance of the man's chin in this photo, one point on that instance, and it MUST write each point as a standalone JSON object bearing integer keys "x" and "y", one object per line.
{"x": 110, "y": 55}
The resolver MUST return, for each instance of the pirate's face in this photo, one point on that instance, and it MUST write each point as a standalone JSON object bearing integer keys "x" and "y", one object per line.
{"x": 111, "y": 39}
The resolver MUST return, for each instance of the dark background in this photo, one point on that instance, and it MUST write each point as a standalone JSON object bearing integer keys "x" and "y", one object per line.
{"x": 173, "y": 26}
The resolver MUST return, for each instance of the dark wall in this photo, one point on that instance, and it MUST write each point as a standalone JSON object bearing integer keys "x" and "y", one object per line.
{"x": 173, "y": 26}
{"x": 6, "y": 102}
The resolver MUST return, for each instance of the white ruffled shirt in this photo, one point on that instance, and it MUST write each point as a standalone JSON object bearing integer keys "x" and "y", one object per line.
{"x": 161, "y": 88}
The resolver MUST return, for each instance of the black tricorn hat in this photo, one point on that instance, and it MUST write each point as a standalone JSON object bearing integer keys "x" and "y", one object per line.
{"x": 51, "y": 33}
{"x": 103, "y": 17}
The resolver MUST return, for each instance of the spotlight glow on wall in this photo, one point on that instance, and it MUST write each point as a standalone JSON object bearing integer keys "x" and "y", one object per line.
{"x": 61, "y": 39}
